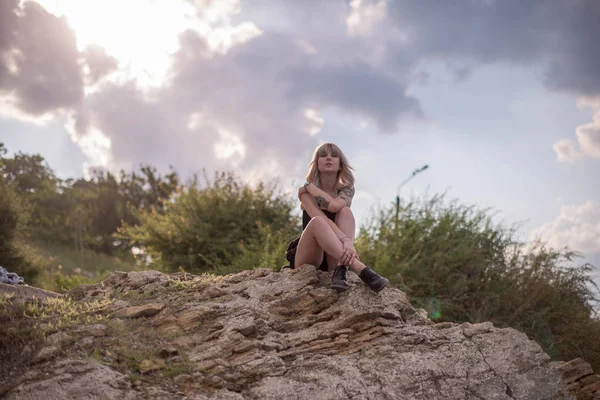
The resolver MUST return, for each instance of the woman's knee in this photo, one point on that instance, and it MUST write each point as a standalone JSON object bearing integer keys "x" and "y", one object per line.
{"x": 316, "y": 222}
{"x": 344, "y": 213}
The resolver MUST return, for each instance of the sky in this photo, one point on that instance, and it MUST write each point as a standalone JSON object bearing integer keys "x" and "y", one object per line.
{"x": 501, "y": 99}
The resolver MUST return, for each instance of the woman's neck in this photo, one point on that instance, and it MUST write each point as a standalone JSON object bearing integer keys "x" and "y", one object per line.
{"x": 328, "y": 181}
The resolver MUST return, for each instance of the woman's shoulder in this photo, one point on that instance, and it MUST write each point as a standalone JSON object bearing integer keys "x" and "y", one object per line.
{"x": 345, "y": 189}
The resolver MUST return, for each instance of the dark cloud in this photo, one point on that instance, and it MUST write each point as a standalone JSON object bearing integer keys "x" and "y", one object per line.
{"x": 40, "y": 65}
{"x": 8, "y": 22}
{"x": 574, "y": 48}
{"x": 356, "y": 88}
{"x": 561, "y": 35}
{"x": 272, "y": 77}
{"x": 483, "y": 30}
{"x": 8, "y": 31}
{"x": 460, "y": 73}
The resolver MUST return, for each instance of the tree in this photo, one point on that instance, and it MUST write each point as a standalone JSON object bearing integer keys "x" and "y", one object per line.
{"x": 83, "y": 212}
{"x": 13, "y": 218}
{"x": 32, "y": 179}
{"x": 116, "y": 201}
{"x": 27, "y": 173}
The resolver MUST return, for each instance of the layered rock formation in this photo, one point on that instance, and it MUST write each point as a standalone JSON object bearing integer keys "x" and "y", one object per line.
{"x": 580, "y": 379}
{"x": 266, "y": 335}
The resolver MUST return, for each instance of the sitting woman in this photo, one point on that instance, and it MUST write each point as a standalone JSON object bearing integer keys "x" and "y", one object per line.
{"x": 328, "y": 224}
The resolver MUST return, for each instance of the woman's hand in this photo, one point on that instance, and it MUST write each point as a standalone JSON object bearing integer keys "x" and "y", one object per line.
{"x": 349, "y": 252}
{"x": 302, "y": 189}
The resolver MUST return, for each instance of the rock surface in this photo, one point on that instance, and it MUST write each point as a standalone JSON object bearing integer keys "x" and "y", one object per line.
{"x": 26, "y": 293}
{"x": 73, "y": 379}
{"x": 266, "y": 335}
{"x": 580, "y": 379}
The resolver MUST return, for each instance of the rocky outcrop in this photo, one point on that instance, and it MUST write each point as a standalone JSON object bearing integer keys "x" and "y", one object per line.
{"x": 266, "y": 335}
{"x": 580, "y": 379}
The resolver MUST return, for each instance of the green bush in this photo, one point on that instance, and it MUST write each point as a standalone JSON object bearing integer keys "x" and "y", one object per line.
{"x": 265, "y": 249}
{"x": 455, "y": 263}
{"x": 223, "y": 227}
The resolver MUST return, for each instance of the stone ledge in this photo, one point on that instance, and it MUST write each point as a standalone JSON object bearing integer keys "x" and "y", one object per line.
{"x": 25, "y": 293}
{"x": 580, "y": 379}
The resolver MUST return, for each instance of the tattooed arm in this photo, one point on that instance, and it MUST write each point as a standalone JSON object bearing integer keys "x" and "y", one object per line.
{"x": 346, "y": 194}
{"x": 326, "y": 202}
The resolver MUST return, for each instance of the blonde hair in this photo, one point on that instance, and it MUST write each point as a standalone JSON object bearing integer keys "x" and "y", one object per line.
{"x": 345, "y": 177}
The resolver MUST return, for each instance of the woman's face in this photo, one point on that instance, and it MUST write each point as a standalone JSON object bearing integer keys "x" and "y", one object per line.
{"x": 328, "y": 161}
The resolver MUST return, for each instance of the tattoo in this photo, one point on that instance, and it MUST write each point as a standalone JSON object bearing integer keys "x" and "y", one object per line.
{"x": 324, "y": 204}
{"x": 347, "y": 193}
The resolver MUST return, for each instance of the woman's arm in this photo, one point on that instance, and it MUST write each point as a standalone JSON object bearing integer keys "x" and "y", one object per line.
{"x": 313, "y": 210}
{"x": 326, "y": 202}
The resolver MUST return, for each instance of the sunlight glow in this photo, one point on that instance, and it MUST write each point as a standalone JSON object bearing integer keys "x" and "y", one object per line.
{"x": 96, "y": 146}
{"x": 143, "y": 34}
{"x": 140, "y": 34}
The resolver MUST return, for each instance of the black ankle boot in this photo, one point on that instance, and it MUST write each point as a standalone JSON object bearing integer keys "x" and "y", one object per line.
{"x": 373, "y": 280}
{"x": 339, "y": 279}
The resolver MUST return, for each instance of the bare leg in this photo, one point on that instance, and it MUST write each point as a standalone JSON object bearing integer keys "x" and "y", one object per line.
{"x": 316, "y": 238}
{"x": 344, "y": 219}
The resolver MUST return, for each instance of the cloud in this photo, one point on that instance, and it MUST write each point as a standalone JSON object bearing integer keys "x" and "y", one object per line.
{"x": 566, "y": 151}
{"x": 99, "y": 63}
{"x": 588, "y": 136}
{"x": 355, "y": 88}
{"x": 318, "y": 122}
{"x": 40, "y": 73}
{"x": 577, "y": 227}
{"x": 558, "y": 35}
{"x": 246, "y": 84}
{"x": 8, "y": 24}
{"x": 364, "y": 16}
{"x": 117, "y": 126}
{"x": 241, "y": 108}
{"x": 208, "y": 116}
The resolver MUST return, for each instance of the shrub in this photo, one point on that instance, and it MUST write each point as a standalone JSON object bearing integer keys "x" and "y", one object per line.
{"x": 225, "y": 226}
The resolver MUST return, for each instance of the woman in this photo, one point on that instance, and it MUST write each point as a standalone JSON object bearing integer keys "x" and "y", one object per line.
{"x": 328, "y": 223}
